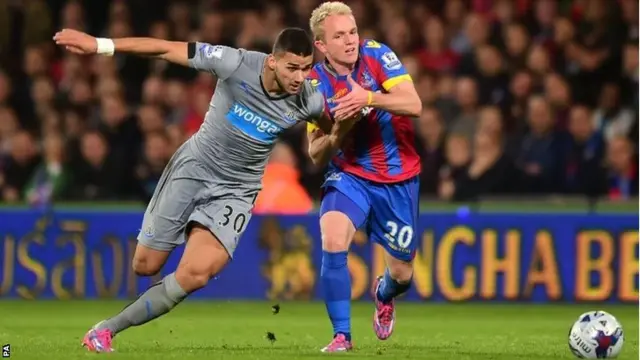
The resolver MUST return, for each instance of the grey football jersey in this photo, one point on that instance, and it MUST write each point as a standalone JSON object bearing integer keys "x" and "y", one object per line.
{"x": 243, "y": 121}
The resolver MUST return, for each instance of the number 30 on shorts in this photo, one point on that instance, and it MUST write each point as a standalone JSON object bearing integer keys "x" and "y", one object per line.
{"x": 239, "y": 218}
{"x": 400, "y": 235}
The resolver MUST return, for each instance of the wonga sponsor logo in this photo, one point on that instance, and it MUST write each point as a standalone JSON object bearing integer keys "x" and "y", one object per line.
{"x": 252, "y": 124}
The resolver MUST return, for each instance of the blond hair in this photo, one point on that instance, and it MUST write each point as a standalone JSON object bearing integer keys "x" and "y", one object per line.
{"x": 322, "y": 12}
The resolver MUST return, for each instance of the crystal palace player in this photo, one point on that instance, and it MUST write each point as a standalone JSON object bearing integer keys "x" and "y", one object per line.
{"x": 373, "y": 177}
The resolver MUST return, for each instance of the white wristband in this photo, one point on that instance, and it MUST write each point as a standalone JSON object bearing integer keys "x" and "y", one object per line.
{"x": 105, "y": 46}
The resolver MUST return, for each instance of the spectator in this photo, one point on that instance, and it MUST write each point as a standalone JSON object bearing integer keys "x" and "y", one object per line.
{"x": 520, "y": 88}
{"x": 630, "y": 75}
{"x": 541, "y": 22}
{"x": 455, "y": 13}
{"x": 623, "y": 167}
{"x": 516, "y": 42}
{"x": 458, "y": 157}
{"x": 426, "y": 86}
{"x": 19, "y": 166}
{"x": 477, "y": 33}
{"x": 153, "y": 90}
{"x": 467, "y": 100}
{"x": 491, "y": 122}
{"x": 81, "y": 94}
{"x": 431, "y": 131}
{"x": 629, "y": 11}
{"x": 120, "y": 130}
{"x": 74, "y": 126}
{"x": 176, "y": 137}
{"x": 154, "y": 159}
{"x": 398, "y": 36}
{"x": 538, "y": 158}
{"x": 412, "y": 65}
{"x": 282, "y": 193}
{"x": 492, "y": 79}
{"x": 585, "y": 155}
{"x": 558, "y": 93}
{"x": 489, "y": 173}
{"x": 50, "y": 178}
{"x": 98, "y": 176}
{"x": 611, "y": 117}
{"x": 196, "y": 111}
{"x": 436, "y": 56}
{"x": 5, "y": 89}
{"x": 539, "y": 62}
{"x": 444, "y": 99}
{"x": 563, "y": 35}
{"x": 150, "y": 119}
{"x": 9, "y": 125}
{"x": 504, "y": 14}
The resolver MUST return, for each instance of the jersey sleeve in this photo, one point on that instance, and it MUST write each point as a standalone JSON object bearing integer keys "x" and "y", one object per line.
{"x": 315, "y": 105}
{"x": 391, "y": 70}
{"x": 316, "y": 102}
{"x": 218, "y": 59}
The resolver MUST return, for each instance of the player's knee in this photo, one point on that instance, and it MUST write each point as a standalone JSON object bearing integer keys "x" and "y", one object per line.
{"x": 400, "y": 271}
{"x": 192, "y": 278}
{"x": 147, "y": 261}
{"x": 337, "y": 231}
{"x": 143, "y": 267}
{"x": 202, "y": 259}
{"x": 335, "y": 243}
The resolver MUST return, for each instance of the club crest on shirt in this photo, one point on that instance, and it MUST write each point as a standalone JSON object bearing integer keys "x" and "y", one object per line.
{"x": 367, "y": 81}
{"x": 290, "y": 116}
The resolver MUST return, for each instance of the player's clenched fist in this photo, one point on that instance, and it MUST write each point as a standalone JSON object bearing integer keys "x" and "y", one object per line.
{"x": 76, "y": 41}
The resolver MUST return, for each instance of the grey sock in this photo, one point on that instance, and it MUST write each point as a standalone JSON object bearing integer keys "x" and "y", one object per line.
{"x": 158, "y": 300}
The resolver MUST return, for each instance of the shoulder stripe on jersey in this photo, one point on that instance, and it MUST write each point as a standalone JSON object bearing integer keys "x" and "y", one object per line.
{"x": 389, "y": 83}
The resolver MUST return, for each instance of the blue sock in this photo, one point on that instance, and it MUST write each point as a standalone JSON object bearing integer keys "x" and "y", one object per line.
{"x": 390, "y": 289}
{"x": 336, "y": 282}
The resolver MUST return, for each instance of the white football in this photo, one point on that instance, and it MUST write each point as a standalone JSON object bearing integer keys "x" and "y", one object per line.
{"x": 596, "y": 335}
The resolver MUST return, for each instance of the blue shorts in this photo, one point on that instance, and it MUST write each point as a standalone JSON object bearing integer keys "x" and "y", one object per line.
{"x": 389, "y": 211}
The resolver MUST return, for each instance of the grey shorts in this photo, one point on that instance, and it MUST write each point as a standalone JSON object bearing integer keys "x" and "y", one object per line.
{"x": 188, "y": 192}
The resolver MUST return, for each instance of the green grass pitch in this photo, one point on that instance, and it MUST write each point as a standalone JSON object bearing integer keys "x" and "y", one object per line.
{"x": 236, "y": 331}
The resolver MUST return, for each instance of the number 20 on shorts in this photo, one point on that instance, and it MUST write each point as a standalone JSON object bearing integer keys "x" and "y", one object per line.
{"x": 399, "y": 235}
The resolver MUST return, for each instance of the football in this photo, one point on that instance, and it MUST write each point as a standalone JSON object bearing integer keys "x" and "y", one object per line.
{"x": 596, "y": 335}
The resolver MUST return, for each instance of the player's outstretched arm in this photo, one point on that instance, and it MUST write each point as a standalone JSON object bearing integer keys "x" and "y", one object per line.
{"x": 81, "y": 43}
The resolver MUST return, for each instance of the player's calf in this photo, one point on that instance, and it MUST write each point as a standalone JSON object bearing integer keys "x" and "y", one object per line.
{"x": 399, "y": 270}
{"x": 337, "y": 232}
{"x": 203, "y": 257}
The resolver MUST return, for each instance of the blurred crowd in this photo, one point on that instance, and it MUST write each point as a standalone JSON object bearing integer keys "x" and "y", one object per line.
{"x": 520, "y": 96}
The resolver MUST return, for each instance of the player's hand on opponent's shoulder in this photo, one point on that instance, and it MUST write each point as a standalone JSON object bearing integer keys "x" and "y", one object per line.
{"x": 76, "y": 41}
{"x": 351, "y": 105}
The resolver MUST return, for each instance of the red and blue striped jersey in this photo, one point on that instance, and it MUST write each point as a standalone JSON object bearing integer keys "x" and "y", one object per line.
{"x": 381, "y": 146}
